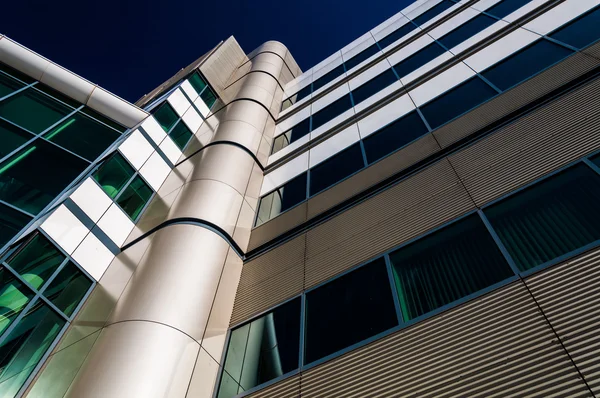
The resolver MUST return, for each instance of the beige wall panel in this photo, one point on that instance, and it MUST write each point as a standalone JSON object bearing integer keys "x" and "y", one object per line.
{"x": 291, "y": 63}
{"x": 154, "y": 215}
{"x": 270, "y": 46}
{"x": 240, "y": 72}
{"x": 202, "y": 137}
{"x": 511, "y": 100}
{"x": 240, "y": 132}
{"x": 246, "y": 111}
{"x": 126, "y": 346}
{"x": 259, "y": 87}
{"x": 241, "y": 234}
{"x": 387, "y": 167}
{"x": 278, "y": 225}
{"x": 495, "y": 346}
{"x": 396, "y": 229}
{"x": 253, "y": 189}
{"x": 203, "y": 378}
{"x": 176, "y": 281}
{"x": 219, "y": 67}
{"x": 276, "y": 103}
{"x": 569, "y": 295}
{"x": 288, "y": 388}
{"x": 285, "y": 76}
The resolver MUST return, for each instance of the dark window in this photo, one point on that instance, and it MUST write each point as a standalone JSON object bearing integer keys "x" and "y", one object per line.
{"x": 300, "y": 95}
{"x": 165, "y": 116}
{"x": 348, "y": 310}
{"x": 394, "y": 136}
{"x": 197, "y": 82}
{"x": 397, "y": 34}
{"x": 336, "y": 168}
{"x": 16, "y": 74}
{"x": 331, "y": 111}
{"x": 457, "y": 101}
{"x": 14, "y": 296}
{"x": 11, "y": 138}
{"x": 361, "y": 56}
{"x": 549, "y": 219}
{"x": 135, "y": 197}
{"x": 8, "y": 85}
{"x": 113, "y": 174}
{"x": 209, "y": 97}
{"x": 262, "y": 350}
{"x": 506, "y": 7}
{"x": 446, "y": 266}
{"x": 525, "y": 63}
{"x": 418, "y": 59}
{"x": 373, "y": 86}
{"x": 68, "y": 288}
{"x": 292, "y": 135}
{"x": 21, "y": 108}
{"x": 11, "y": 222}
{"x": 433, "y": 12}
{"x": 466, "y": 30}
{"x": 282, "y": 199}
{"x": 34, "y": 176}
{"x": 581, "y": 32}
{"x": 103, "y": 119}
{"x": 180, "y": 134}
{"x": 329, "y": 76}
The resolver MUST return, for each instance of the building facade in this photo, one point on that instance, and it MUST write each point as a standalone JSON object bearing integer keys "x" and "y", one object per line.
{"x": 415, "y": 216}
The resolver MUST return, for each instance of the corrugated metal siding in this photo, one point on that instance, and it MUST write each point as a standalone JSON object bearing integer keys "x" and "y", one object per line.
{"x": 277, "y": 226}
{"x": 496, "y": 346}
{"x": 288, "y": 388}
{"x": 569, "y": 295}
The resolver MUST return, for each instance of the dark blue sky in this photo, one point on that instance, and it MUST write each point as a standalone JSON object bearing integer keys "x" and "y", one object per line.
{"x": 129, "y": 47}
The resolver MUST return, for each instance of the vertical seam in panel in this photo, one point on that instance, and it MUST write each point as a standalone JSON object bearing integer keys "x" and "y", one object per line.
{"x": 460, "y": 181}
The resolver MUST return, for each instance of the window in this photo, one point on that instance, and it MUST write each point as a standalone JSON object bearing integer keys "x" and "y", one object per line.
{"x": 165, "y": 116}
{"x": 581, "y": 32}
{"x": 113, "y": 174}
{"x": 466, "y": 30}
{"x": 14, "y": 296}
{"x": 135, "y": 197}
{"x": 373, "y": 86}
{"x": 11, "y": 222}
{"x": 361, "y": 56}
{"x": 262, "y": 350}
{"x": 457, "y": 101}
{"x": 15, "y": 74}
{"x": 180, "y": 134}
{"x": 282, "y": 199}
{"x": 20, "y": 107}
{"x": 291, "y": 136}
{"x": 331, "y": 111}
{"x": 394, "y": 136}
{"x": 549, "y": 219}
{"x": 506, "y": 7}
{"x": 11, "y": 137}
{"x": 8, "y": 85}
{"x": 68, "y": 288}
{"x": 209, "y": 97}
{"x": 433, "y": 12}
{"x": 103, "y": 119}
{"x": 197, "y": 82}
{"x": 347, "y": 310}
{"x": 82, "y": 135}
{"x": 300, "y": 95}
{"x": 525, "y": 63}
{"x": 418, "y": 59}
{"x": 203, "y": 89}
{"x": 328, "y": 77}
{"x": 336, "y": 168}
{"x": 397, "y": 34}
{"x": 445, "y": 266}
{"x": 34, "y": 176}
{"x": 37, "y": 261}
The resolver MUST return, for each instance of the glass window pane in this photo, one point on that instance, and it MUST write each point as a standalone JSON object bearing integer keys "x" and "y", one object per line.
{"x": 113, "y": 174}
{"x": 14, "y": 296}
{"x": 165, "y": 116}
{"x": 8, "y": 85}
{"x": 581, "y": 32}
{"x": 103, "y": 119}
{"x": 418, "y": 59}
{"x": 525, "y": 63}
{"x": 11, "y": 137}
{"x": 197, "y": 82}
{"x": 292, "y": 135}
{"x": 466, "y": 30}
{"x": 549, "y": 219}
{"x": 135, "y": 197}
{"x": 282, "y": 199}
{"x": 433, "y": 12}
{"x": 33, "y": 110}
{"x": 33, "y": 177}
{"x": 506, "y": 7}
{"x": 361, "y": 56}
{"x": 180, "y": 134}
{"x": 446, "y": 266}
{"x": 82, "y": 135}
{"x": 16, "y": 74}
{"x": 331, "y": 111}
{"x": 328, "y": 77}
{"x": 57, "y": 95}
{"x": 373, "y": 86}
{"x": 394, "y": 136}
{"x": 457, "y": 101}
{"x": 11, "y": 222}
{"x": 68, "y": 288}
{"x": 36, "y": 261}
{"x": 397, "y": 34}
{"x": 336, "y": 168}
{"x": 348, "y": 310}
{"x": 264, "y": 349}
{"x": 209, "y": 97}
{"x": 26, "y": 345}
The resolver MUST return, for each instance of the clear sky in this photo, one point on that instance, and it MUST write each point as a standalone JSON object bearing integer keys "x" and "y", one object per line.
{"x": 130, "y": 46}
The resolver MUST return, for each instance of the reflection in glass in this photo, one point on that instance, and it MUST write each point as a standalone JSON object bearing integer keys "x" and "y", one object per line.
{"x": 11, "y": 222}
{"x": 8, "y": 85}
{"x": 282, "y": 199}
{"x": 292, "y": 135}
{"x": 11, "y": 137}
{"x": 135, "y": 197}
{"x": 336, "y": 168}
{"x": 36, "y": 261}
{"x": 581, "y": 32}
{"x": 113, "y": 174}
{"x": 21, "y": 107}
{"x": 14, "y": 296}
{"x": 165, "y": 116}
{"x": 68, "y": 288}
{"x": 180, "y": 134}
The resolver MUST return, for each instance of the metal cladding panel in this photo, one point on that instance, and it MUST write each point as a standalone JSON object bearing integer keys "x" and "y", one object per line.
{"x": 569, "y": 295}
{"x": 540, "y": 143}
{"x": 288, "y": 388}
{"x": 496, "y": 346}
{"x": 511, "y": 100}
{"x": 394, "y": 230}
{"x": 277, "y": 226}
{"x": 270, "y": 279}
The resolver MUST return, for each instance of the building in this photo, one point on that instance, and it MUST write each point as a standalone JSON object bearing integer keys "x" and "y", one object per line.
{"x": 415, "y": 216}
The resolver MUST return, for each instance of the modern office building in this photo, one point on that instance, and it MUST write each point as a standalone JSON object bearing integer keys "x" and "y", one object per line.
{"x": 416, "y": 216}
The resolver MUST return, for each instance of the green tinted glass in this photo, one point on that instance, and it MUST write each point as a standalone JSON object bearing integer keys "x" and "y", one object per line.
{"x": 8, "y": 85}
{"x": 16, "y": 74}
{"x": 33, "y": 110}
{"x": 11, "y": 222}
{"x": 25, "y": 346}
{"x": 11, "y": 137}
{"x": 36, "y": 261}
{"x": 165, "y": 116}
{"x": 208, "y": 97}
{"x": 197, "y": 82}
{"x": 14, "y": 296}
{"x": 57, "y": 95}
{"x": 113, "y": 174}
{"x": 103, "y": 119}
{"x": 83, "y": 135}
{"x": 180, "y": 134}
{"x": 135, "y": 197}
{"x": 68, "y": 288}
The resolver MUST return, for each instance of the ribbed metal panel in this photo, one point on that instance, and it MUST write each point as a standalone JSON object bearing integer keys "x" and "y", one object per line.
{"x": 277, "y": 226}
{"x": 567, "y": 70}
{"x": 569, "y": 295}
{"x": 496, "y": 346}
{"x": 269, "y": 279}
{"x": 288, "y": 388}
